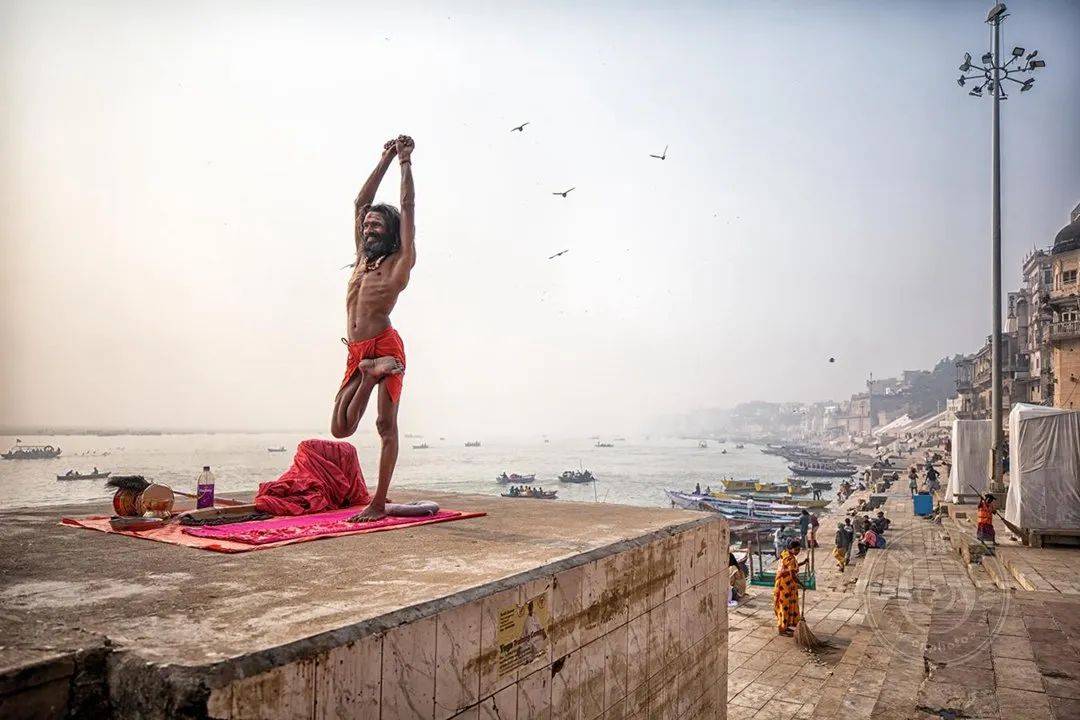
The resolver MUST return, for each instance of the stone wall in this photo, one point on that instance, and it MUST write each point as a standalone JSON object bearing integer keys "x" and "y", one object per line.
{"x": 634, "y": 631}
{"x": 1066, "y": 364}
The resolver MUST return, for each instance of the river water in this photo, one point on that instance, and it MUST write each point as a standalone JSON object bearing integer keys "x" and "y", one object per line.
{"x": 634, "y": 472}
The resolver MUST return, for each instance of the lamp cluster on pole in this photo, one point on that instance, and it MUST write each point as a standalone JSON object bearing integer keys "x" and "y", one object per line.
{"x": 990, "y": 77}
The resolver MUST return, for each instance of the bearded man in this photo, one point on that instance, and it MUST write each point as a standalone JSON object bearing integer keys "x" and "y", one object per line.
{"x": 385, "y": 256}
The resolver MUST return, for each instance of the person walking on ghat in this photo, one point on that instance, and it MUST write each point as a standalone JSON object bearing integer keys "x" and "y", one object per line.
{"x": 385, "y": 256}
{"x": 804, "y": 526}
{"x": 786, "y": 590}
{"x": 841, "y": 545}
{"x": 849, "y": 535}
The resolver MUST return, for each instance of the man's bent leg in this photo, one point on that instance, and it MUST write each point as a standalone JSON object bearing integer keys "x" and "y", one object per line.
{"x": 387, "y": 426}
{"x": 352, "y": 399}
{"x": 350, "y": 404}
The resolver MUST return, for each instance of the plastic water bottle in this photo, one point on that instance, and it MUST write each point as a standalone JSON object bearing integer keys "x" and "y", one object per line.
{"x": 205, "y": 488}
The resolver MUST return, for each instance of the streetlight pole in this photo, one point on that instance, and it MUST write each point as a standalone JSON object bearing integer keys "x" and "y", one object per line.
{"x": 991, "y": 76}
{"x": 997, "y": 485}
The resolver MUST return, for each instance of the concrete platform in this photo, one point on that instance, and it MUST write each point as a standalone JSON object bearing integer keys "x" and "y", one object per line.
{"x": 539, "y": 609}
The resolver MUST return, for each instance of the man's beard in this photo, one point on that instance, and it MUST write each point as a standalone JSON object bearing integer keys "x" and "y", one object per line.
{"x": 377, "y": 246}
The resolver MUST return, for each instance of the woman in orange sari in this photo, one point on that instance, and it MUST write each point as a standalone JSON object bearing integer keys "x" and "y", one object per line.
{"x": 984, "y": 529}
{"x": 786, "y": 590}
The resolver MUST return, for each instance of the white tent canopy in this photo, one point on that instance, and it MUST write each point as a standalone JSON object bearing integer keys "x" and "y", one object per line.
{"x": 1044, "y": 468}
{"x": 971, "y": 440}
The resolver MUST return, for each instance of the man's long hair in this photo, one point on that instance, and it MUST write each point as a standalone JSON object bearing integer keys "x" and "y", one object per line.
{"x": 392, "y": 218}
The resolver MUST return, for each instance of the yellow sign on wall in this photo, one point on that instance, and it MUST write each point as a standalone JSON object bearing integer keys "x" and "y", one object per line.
{"x": 523, "y": 633}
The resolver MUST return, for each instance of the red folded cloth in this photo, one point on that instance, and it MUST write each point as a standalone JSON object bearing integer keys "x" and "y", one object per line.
{"x": 325, "y": 475}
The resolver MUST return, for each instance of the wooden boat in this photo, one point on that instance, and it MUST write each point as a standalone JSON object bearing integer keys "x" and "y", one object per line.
{"x": 474, "y": 443}
{"x": 733, "y": 485}
{"x": 575, "y": 476}
{"x": 821, "y": 485}
{"x": 421, "y": 446}
{"x": 22, "y": 451}
{"x": 789, "y": 488}
{"x": 514, "y": 479}
{"x": 765, "y": 506}
{"x": 736, "y": 511}
{"x": 532, "y": 494}
{"x": 604, "y": 445}
{"x": 823, "y": 469}
{"x": 782, "y": 498}
{"x": 280, "y": 448}
{"x": 72, "y": 475}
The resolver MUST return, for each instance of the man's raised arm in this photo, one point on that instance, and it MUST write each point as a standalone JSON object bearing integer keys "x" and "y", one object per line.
{"x": 371, "y": 186}
{"x": 408, "y": 206}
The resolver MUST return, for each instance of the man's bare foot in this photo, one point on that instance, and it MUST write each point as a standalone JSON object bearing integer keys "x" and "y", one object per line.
{"x": 383, "y": 366}
{"x": 369, "y": 514}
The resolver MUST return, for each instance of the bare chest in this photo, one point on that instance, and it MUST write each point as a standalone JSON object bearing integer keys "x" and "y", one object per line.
{"x": 377, "y": 285}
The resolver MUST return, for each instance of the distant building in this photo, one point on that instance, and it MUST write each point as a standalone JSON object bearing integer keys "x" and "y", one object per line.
{"x": 1041, "y": 343}
{"x": 1063, "y": 336}
{"x": 974, "y": 377}
{"x": 1033, "y": 317}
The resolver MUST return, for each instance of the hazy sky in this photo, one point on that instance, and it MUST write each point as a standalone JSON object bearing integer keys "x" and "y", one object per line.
{"x": 176, "y": 185}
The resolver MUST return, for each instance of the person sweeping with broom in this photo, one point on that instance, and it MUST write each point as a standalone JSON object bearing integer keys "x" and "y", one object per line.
{"x": 786, "y": 590}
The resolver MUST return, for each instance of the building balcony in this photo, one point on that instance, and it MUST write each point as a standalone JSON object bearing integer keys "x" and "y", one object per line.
{"x": 1065, "y": 292}
{"x": 1066, "y": 330}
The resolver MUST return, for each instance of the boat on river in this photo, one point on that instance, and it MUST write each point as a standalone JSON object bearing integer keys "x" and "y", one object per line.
{"x": 514, "y": 479}
{"x": 72, "y": 475}
{"x": 823, "y": 469}
{"x": 782, "y": 488}
{"x": 765, "y": 515}
{"x": 530, "y": 493}
{"x": 577, "y": 476}
{"x": 22, "y": 451}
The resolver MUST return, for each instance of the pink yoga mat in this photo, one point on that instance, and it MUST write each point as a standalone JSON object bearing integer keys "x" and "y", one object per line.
{"x": 255, "y": 535}
{"x": 302, "y": 527}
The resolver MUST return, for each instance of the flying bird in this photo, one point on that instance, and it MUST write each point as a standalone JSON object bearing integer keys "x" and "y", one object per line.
{"x": 559, "y": 253}
{"x": 660, "y": 157}
{"x": 519, "y": 128}
{"x": 564, "y": 194}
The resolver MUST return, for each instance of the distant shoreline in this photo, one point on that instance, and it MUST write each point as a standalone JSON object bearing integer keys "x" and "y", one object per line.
{"x": 64, "y": 432}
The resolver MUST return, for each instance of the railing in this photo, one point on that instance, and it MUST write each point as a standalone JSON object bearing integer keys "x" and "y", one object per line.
{"x": 1065, "y": 329}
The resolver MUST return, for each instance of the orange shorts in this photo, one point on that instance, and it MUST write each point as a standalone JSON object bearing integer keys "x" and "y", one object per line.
{"x": 388, "y": 342}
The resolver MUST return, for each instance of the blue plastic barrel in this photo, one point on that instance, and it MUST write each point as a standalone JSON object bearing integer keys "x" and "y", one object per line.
{"x": 923, "y": 503}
